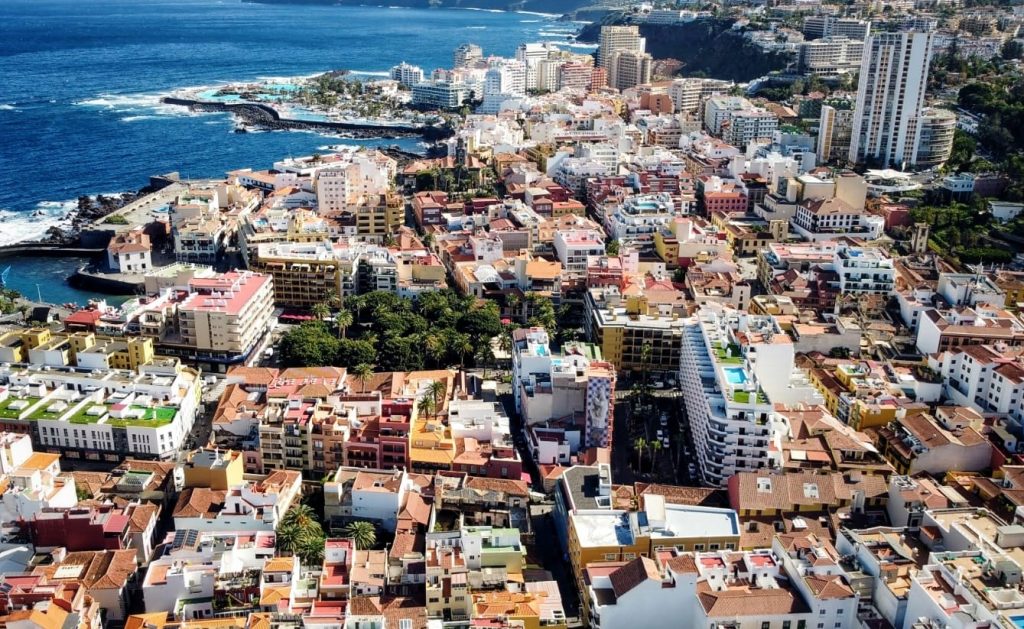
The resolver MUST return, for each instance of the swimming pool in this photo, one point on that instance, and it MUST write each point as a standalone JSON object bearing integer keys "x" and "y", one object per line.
{"x": 1018, "y": 621}
{"x": 735, "y": 375}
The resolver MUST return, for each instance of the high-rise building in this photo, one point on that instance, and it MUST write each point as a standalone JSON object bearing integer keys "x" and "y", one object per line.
{"x": 467, "y": 55}
{"x": 830, "y": 55}
{"x": 834, "y": 129}
{"x": 629, "y": 68}
{"x": 615, "y": 38}
{"x": 829, "y": 26}
{"x": 407, "y": 74}
{"x": 890, "y": 98}
{"x": 531, "y": 55}
{"x": 938, "y": 126}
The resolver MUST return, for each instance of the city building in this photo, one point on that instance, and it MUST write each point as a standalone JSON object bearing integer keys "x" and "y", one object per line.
{"x": 890, "y": 99}
{"x": 734, "y": 367}
{"x": 618, "y": 38}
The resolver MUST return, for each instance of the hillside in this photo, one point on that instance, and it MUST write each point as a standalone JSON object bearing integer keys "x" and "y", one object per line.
{"x": 706, "y": 47}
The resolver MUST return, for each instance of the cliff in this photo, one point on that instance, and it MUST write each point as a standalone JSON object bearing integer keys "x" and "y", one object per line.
{"x": 706, "y": 47}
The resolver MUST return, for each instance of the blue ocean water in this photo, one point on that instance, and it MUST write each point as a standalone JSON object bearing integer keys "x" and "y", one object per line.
{"x": 80, "y": 82}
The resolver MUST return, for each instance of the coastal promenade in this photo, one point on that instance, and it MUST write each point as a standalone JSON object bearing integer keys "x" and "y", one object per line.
{"x": 139, "y": 212}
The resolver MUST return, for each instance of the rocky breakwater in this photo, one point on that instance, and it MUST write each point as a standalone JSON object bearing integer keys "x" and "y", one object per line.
{"x": 88, "y": 210}
{"x": 266, "y": 117}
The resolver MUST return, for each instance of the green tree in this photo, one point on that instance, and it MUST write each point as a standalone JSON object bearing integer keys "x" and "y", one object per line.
{"x": 308, "y": 345}
{"x": 612, "y": 247}
{"x": 363, "y": 533}
{"x": 437, "y": 391}
{"x": 426, "y": 406}
{"x": 298, "y": 531}
{"x": 343, "y": 321}
{"x": 363, "y": 373}
{"x": 321, "y": 311}
{"x": 639, "y": 445}
{"x": 542, "y": 312}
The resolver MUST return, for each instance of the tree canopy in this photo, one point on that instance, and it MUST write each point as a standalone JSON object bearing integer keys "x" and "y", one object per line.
{"x": 436, "y": 330}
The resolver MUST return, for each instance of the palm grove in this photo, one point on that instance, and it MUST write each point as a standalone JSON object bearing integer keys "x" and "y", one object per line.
{"x": 381, "y": 331}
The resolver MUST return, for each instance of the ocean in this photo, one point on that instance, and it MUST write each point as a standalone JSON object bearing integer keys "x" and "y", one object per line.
{"x": 81, "y": 82}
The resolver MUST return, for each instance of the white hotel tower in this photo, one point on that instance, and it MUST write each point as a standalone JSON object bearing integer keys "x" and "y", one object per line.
{"x": 733, "y": 367}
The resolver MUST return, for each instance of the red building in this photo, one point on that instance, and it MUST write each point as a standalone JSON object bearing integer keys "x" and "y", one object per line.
{"x": 97, "y": 528}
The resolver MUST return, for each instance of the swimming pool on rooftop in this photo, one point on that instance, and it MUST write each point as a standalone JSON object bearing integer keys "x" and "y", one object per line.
{"x": 737, "y": 375}
{"x": 1018, "y": 621}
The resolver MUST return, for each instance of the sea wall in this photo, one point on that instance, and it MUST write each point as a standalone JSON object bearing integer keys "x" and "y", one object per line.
{"x": 267, "y": 117}
{"x": 84, "y": 280}
{"x": 43, "y": 250}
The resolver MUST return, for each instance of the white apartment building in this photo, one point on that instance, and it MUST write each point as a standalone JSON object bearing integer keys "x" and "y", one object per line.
{"x": 547, "y": 387}
{"x": 638, "y": 217}
{"x": 407, "y": 74}
{"x": 938, "y": 126}
{"x": 986, "y": 378}
{"x": 111, "y": 414}
{"x": 344, "y": 183}
{"x": 531, "y": 55}
{"x": 615, "y": 38}
{"x": 737, "y": 121}
{"x": 195, "y": 563}
{"x": 227, "y": 314}
{"x": 688, "y": 93}
{"x": 467, "y": 55}
{"x": 864, "y": 271}
{"x": 890, "y": 98}
{"x": 504, "y": 80}
{"x": 778, "y": 588}
{"x": 441, "y": 94}
{"x": 832, "y": 26}
{"x": 733, "y": 367}
{"x": 573, "y": 247}
{"x": 830, "y": 56}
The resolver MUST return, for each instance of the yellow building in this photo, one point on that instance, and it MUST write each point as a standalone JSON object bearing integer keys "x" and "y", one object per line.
{"x": 622, "y": 329}
{"x": 304, "y": 273}
{"x": 431, "y": 447}
{"x": 380, "y": 215}
{"x": 666, "y": 245}
{"x": 214, "y": 469}
{"x": 522, "y": 607}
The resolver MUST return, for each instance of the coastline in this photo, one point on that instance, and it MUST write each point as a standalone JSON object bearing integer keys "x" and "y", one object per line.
{"x": 266, "y": 117}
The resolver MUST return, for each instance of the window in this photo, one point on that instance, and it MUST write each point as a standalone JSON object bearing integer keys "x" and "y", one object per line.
{"x": 713, "y": 547}
{"x": 698, "y": 547}
{"x": 766, "y": 625}
{"x": 822, "y": 612}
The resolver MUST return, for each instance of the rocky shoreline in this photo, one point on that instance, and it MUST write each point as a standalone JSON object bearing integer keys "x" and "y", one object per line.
{"x": 89, "y": 209}
{"x": 265, "y": 117}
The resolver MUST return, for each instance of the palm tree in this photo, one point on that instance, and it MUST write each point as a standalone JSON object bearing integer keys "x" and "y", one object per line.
{"x": 462, "y": 345}
{"x": 311, "y": 551}
{"x": 512, "y": 301}
{"x": 298, "y": 527}
{"x": 363, "y": 372}
{"x": 655, "y": 450}
{"x": 426, "y": 405}
{"x": 437, "y": 391}
{"x": 321, "y": 311}
{"x": 343, "y": 320}
{"x": 435, "y": 348}
{"x": 638, "y": 446}
{"x": 363, "y": 533}
{"x": 484, "y": 357}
